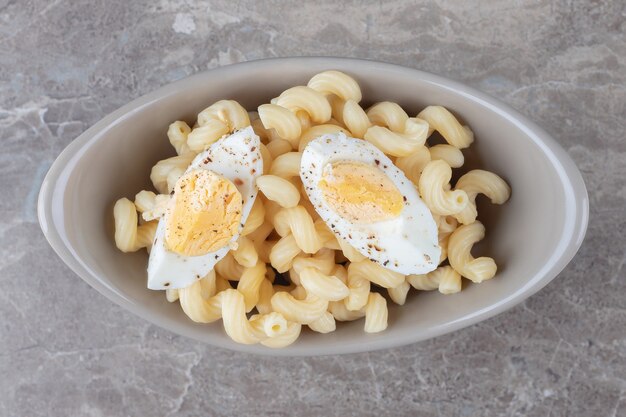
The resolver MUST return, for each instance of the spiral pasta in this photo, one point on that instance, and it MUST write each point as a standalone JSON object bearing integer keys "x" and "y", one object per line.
{"x": 340, "y": 311}
{"x": 432, "y": 187}
{"x": 483, "y": 182}
{"x": 375, "y": 313}
{"x": 355, "y": 118}
{"x": 287, "y": 165}
{"x": 201, "y": 137}
{"x": 255, "y": 218}
{"x": 229, "y": 268}
{"x": 298, "y": 222}
{"x": 323, "y": 260}
{"x": 413, "y": 165}
{"x": 322, "y": 285}
{"x": 129, "y": 237}
{"x": 278, "y": 147}
{"x": 245, "y": 254}
{"x": 398, "y": 294}
{"x": 161, "y": 173}
{"x": 229, "y": 112}
{"x": 440, "y": 119}
{"x": 279, "y": 190}
{"x": 250, "y": 284}
{"x": 317, "y": 131}
{"x": 283, "y": 252}
{"x": 177, "y": 134}
{"x": 283, "y": 121}
{"x": 300, "y": 311}
{"x": 285, "y": 339}
{"x": 337, "y": 83}
{"x": 399, "y": 143}
{"x": 257, "y": 126}
{"x": 388, "y": 114}
{"x": 376, "y": 273}
{"x": 459, "y": 247}
{"x": 301, "y": 98}
{"x": 200, "y": 305}
{"x": 151, "y": 206}
{"x": 445, "y": 279}
{"x": 244, "y": 330}
{"x": 324, "y": 324}
{"x": 448, "y": 153}
{"x": 286, "y": 269}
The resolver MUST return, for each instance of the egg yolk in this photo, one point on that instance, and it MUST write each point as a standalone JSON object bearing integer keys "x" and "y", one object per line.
{"x": 205, "y": 214}
{"x": 359, "y": 192}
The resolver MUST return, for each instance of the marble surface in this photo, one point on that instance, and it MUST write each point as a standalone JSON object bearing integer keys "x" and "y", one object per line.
{"x": 65, "y": 350}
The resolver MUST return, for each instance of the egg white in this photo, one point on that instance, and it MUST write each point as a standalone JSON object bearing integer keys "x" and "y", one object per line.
{"x": 237, "y": 158}
{"x": 406, "y": 244}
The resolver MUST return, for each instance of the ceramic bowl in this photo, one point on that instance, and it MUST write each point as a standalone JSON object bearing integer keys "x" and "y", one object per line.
{"x": 532, "y": 237}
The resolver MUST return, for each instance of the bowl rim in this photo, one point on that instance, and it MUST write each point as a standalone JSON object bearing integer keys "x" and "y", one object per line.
{"x": 576, "y": 206}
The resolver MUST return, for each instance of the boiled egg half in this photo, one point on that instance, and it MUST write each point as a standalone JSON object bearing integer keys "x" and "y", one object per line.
{"x": 207, "y": 211}
{"x": 367, "y": 201}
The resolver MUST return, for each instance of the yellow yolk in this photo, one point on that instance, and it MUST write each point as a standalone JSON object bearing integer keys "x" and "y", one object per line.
{"x": 205, "y": 214}
{"x": 360, "y": 193}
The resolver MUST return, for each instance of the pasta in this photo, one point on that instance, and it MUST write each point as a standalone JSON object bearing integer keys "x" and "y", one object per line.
{"x": 255, "y": 218}
{"x": 432, "y": 187}
{"x": 317, "y": 131}
{"x": 250, "y": 284}
{"x": 323, "y": 260}
{"x": 161, "y": 171}
{"x": 129, "y": 237}
{"x": 279, "y": 190}
{"x": 245, "y": 254}
{"x": 267, "y": 159}
{"x": 459, "y": 247}
{"x": 341, "y": 313}
{"x": 440, "y": 119}
{"x": 150, "y": 205}
{"x": 404, "y": 142}
{"x": 481, "y": 182}
{"x": 413, "y": 165}
{"x": 282, "y": 253}
{"x": 178, "y": 133}
{"x": 244, "y": 330}
{"x": 359, "y": 286}
{"x": 297, "y": 221}
{"x": 300, "y": 311}
{"x": 308, "y": 100}
{"x": 285, "y": 122}
{"x": 285, "y": 339}
{"x": 257, "y": 126}
{"x": 286, "y": 165}
{"x": 447, "y": 153}
{"x": 445, "y": 279}
{"x": 200, "y": 304}
{"x": 398, "y": 294}
{"x": 375, "y": 313}
{"x": 322, "y": 285}
{"x": 285, "y": 268}
{"x": 229, "y": 268}
{"x": 278, "y": 147}
{"x": 388, "y": 114}
{"x": 337, "y": 83}
{"x": 229, "y": 112}
{"x": 355, "y": 118}
{"x": 203, "y": 136}
{"x": 324, "y": 324}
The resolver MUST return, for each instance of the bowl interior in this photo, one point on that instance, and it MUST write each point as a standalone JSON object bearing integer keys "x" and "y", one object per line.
{"x": 116, "y": 160}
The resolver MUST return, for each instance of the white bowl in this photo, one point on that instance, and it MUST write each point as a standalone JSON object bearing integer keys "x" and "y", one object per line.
{"x": 532, "y": 237}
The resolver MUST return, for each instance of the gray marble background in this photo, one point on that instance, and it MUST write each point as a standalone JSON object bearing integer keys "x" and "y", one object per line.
{"x": 67, "y": 351}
